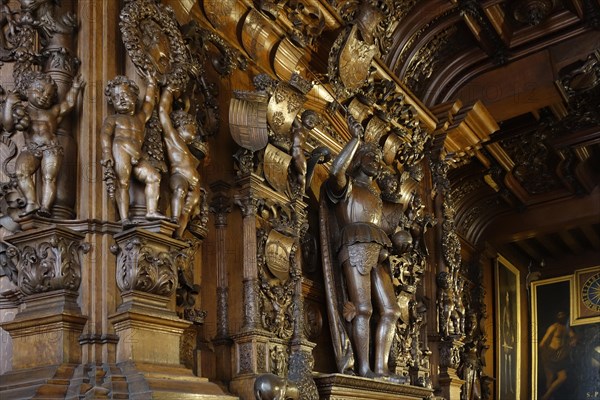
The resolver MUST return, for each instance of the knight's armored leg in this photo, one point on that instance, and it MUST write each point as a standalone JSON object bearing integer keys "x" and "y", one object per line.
{"x": 383, "y": 293}
{"x": 359, "y": 291}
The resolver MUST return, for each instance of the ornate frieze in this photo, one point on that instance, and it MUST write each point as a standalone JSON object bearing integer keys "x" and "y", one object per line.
{"x": 425, "y": 61}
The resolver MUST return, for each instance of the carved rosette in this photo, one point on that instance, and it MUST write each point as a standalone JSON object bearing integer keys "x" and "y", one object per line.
{"x": 147, "y": 262}
{"x": 47, "y": 259}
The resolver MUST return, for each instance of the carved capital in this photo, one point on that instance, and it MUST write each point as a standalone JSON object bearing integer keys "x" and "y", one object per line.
{"x": 249, "y": 205}
{"x": 47, "y": 259}
{"x": 147, "y": 262}
{"x": 220, "y": 204}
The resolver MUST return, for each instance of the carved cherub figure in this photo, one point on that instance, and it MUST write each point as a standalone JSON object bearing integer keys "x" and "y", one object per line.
{"x": 300, "y": 128}
{"x": 122, "y": 138}
{"x": 180, "y": 129}
{"x": 42, "y": 149}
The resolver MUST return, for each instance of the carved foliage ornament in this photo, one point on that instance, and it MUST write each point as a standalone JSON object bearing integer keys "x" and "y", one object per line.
{"x": 140, "y": 267}
{"x": 52, "y": 263}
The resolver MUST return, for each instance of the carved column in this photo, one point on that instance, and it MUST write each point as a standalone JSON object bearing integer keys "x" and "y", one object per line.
{"x": 450, "y": 332}
{"x": 301, "y": 358}
{"x": 251, "y": 343}
{"x": 48, "y": 260}
{"x": 220, "y": 207}
{"x": 249, "y": 207}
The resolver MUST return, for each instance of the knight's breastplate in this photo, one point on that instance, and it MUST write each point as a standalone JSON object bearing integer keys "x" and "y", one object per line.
{"x": 363, "y": 204}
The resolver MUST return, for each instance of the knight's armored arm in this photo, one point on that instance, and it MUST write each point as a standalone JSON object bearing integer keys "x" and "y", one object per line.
{"x": 342, "y": 161}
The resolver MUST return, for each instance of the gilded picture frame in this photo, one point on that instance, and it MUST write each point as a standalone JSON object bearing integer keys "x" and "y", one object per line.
{"x": 586, "y": 304}
{"x": 508, "y": 330}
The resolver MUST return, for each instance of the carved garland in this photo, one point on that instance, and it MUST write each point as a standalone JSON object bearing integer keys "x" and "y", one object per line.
{"x": 132, "y": 16}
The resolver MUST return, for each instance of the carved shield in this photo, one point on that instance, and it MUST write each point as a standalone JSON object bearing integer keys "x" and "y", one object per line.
{"x": 276, "y": 166}
{"x": 355, "y": 61}
{"x": 391, "y": 147}
{"x": 248, "y": 122}
{"x": 277, "y": 254}
{"x": 284, "y": 105}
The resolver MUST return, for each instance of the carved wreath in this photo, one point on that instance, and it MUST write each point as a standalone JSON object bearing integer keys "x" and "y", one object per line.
{"x": 145, "y": 25}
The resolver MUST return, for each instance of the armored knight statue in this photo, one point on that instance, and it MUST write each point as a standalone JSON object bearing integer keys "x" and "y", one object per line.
{"x": 122, "y": 138}
{"x": 42, "y": 150}
{"x": 355, "y": 209}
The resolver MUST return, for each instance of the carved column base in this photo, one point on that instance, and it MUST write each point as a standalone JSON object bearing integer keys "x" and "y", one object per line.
{"x": 148, "y": 332}
{"x": 348, "y": 387}
{"x": 420, "y": 377}
{"x": 251, "y": 350}
{"x": 46, "y": 330}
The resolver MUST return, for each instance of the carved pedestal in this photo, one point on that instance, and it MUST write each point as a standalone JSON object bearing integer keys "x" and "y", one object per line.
{"x": 142, "y": 321}
{"x": 149, "y": 330}
{"x": 251, "y": 351}
{"x": 347, "y": 387}
{"x": 449, "y": 382}
{"x": 45, "y": 332}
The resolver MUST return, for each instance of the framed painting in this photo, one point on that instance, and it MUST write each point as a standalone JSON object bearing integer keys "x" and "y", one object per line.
{"x": 508, "y": 328}
{"x": 565, "y": 338}
{"x": 550, "y": 311}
